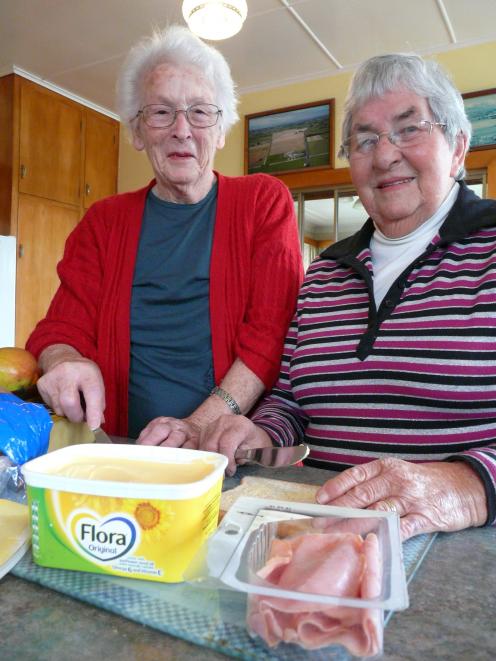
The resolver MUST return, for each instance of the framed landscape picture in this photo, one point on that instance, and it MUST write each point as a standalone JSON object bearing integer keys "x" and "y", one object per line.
{"x": 481, "y": 111}
{"x": 294, "y": 139}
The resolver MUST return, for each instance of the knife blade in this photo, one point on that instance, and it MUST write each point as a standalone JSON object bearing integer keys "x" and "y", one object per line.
{"x": 102, "y": 437}
{"x": 274, "y": 457}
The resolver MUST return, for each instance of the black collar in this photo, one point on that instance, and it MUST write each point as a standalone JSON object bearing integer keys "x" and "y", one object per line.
{"x": 467, "y": 215}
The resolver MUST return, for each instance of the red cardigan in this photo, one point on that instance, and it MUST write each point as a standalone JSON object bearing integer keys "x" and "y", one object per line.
{"x": 255, "y": 273}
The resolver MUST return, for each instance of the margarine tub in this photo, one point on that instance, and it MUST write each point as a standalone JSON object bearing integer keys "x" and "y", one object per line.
{"x": 135, "y": 511}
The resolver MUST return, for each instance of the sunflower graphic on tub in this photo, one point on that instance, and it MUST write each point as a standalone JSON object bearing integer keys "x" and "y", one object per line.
{"x": 154, "y": 517}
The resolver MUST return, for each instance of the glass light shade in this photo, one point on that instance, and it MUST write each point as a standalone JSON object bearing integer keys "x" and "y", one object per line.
{"x": 215, "y": 19}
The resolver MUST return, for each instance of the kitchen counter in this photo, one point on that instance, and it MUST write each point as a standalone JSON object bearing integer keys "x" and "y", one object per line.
{"x": 451, "y": 613}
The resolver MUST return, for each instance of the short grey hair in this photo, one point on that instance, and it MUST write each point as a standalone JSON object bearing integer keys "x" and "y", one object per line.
{"x": 387, "y": 73}
{"x": 178, "y": 46}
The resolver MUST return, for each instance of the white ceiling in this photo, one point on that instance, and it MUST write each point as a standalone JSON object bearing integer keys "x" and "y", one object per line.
{"x": 79, "y": 45}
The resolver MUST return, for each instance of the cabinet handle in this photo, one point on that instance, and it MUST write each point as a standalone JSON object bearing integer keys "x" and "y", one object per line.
{"x": 23, "y": 171}
{"x": 21, "y": 250}
{"x": 87, "y": 189}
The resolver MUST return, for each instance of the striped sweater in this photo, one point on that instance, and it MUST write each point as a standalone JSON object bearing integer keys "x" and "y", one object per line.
{"x": 416, "y": 378}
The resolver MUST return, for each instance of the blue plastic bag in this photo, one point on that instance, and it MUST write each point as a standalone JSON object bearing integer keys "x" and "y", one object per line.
{"x": 24, "y": 429}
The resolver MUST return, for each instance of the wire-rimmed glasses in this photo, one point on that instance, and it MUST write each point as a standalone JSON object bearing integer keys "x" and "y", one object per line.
{"x": 363, "y": 143}
{"x": 200, "y": 115}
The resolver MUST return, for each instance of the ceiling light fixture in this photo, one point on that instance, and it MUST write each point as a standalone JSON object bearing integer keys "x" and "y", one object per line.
{"x": 215, "y": 19}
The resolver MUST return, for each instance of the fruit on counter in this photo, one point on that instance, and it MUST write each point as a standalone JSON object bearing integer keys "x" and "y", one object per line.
{"x": 18, "y": 369}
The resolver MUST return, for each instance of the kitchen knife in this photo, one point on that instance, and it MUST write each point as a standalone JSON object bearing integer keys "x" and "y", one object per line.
{"x": 103, "y": 437}
{"x": 274, "y": 457}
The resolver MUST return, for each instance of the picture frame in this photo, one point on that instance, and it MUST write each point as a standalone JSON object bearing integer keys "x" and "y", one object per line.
{"x": 481, "y": 111}
{"x": 293, "y": 139}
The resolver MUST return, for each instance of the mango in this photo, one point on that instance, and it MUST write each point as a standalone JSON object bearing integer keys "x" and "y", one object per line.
{"x": 18, "y": 369}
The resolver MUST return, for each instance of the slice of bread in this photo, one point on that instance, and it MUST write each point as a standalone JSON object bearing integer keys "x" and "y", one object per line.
{"x": 64, "y": 433}
{"x": 264, "y": 487}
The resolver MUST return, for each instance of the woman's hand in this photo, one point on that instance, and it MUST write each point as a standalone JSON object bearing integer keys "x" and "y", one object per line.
{"x": 170, "y": 432}
{"x": 428, "y": 497}
{"x": 66, "y": 376}
{"x": 230, "y": 432}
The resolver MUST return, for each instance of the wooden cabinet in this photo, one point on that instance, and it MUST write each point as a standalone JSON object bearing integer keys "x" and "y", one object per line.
{"x": 57, "y": 157}
{"x": 49, "y": 145}
{"x": 101, "y": 155}
{"x": 43, "y": 226}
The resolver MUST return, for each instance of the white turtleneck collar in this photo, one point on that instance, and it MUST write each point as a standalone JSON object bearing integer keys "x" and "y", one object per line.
{"x": 391, "y": 256}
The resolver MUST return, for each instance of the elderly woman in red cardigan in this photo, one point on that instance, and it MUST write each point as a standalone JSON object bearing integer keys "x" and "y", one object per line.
{"x": 174, "y": 299}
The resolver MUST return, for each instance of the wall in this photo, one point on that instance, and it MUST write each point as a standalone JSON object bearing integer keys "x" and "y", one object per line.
{"x": 134, "y": 167}
{"x": 472, "y": 69}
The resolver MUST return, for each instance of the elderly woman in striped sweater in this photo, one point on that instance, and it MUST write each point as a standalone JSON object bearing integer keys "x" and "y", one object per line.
{"x": 389, "y": 368}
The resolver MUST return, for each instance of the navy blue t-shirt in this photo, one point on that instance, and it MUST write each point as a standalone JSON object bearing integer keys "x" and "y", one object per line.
{"x": 171, "y": 370}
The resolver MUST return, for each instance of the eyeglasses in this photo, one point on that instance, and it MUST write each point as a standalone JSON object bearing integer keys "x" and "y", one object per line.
{"x": 200, "y": 115}
{"x": 363, "y": 143}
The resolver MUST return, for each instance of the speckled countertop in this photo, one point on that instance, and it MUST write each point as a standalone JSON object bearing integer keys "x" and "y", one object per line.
{"x": 451, "y": 615}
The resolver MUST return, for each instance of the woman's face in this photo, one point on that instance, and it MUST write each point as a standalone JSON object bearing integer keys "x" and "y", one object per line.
{"x": 181, "y": 155}
{"x": 402, "y": 188}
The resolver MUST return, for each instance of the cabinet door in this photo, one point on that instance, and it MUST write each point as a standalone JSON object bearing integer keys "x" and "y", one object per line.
{"x": 101, "y": 153}
{"x": 50, "y": 145}
{"x": 43, "y": 227}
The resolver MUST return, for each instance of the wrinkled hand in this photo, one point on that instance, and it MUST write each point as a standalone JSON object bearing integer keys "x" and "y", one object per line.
{"x": 230, "y": 432}
{"x": 170, "y": 432}
{"x": 444, "y": 496}
{"x": 61, "y": 386}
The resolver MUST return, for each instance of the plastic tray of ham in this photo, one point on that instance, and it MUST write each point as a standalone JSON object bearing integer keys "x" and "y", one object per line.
{"x": 315, "y": 575}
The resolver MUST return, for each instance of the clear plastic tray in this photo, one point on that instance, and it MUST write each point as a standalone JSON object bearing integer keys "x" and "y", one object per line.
{"x": 233, "y": 556}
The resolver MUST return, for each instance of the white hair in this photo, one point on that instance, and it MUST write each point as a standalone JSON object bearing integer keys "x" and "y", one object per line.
{"x": 387, "y": 73}
{"x": 178, "y": 46}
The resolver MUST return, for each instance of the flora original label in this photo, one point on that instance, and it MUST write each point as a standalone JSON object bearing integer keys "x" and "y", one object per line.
{"x": 104, "y": 539}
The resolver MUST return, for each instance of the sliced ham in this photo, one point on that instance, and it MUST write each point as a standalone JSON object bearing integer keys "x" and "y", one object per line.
{"x": 334, "y": 564}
